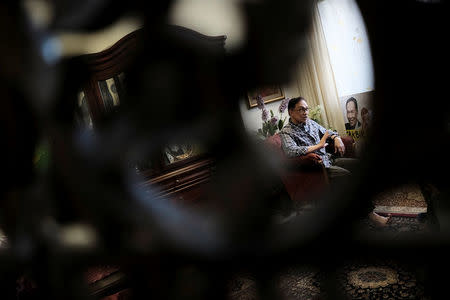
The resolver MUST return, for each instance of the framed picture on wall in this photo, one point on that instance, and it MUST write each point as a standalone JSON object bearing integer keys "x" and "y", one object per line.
{"x": 268, "y": 94}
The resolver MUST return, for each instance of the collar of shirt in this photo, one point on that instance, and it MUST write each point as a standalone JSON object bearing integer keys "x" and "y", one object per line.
{"x": 301, "y": 125}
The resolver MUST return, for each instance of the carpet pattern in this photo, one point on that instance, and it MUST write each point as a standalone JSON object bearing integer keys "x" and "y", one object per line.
{"x": 377, "y": 280}
{"x": 406, "y": 200}
{"x": 380, "y": 280}
{"x": 356, "y": 279}
{"x": 408, "y": 195}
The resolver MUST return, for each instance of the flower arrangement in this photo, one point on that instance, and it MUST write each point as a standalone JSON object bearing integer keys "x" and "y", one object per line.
{"x": 271, "y": 123}
{"x": 315, "y": 114}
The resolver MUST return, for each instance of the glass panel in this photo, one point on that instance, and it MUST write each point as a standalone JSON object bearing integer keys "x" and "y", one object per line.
{"x": 112, "y": 89}
{"x": 83, "y": 113}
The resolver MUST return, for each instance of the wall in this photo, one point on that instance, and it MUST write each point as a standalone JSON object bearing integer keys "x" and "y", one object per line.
{"x": 252, "y": 117}
{"x": 211, "y": 18}
{"x": 217, "y": 17}
{"x": 73, "y": 43}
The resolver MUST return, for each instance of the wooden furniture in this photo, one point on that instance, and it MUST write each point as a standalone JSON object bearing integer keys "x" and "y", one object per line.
{"x": 180, "y": 172}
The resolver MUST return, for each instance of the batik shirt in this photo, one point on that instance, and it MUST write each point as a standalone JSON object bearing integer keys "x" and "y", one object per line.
{"x": 295, "y": 139}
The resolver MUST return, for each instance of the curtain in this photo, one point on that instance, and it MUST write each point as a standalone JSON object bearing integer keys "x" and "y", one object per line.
{"x": 315, "y": 77}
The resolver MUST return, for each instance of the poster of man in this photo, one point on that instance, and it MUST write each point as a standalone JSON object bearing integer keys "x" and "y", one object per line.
{"x": 351, "y": 108}
{"x": 357, "y": 110}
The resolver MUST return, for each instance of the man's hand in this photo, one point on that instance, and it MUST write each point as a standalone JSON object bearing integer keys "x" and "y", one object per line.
{"x": 339, "y": 146}
{"x": 323, "y": 141}
{"x": 316, "y": 158}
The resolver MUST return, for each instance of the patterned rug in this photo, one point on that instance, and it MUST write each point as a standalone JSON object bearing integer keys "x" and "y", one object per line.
{"x": 357, "y": 279}
{"x": 406, "y": 200}
{"x": 385, "y": 280}
{"x": 408, "y": 195}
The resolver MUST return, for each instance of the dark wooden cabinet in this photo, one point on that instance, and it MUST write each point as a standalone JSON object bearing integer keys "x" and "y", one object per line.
{"x": 186, "y": 183}
{"x": 181, "y": 172}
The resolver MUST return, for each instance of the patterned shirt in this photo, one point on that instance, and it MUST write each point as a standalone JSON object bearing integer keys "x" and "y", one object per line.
{"x": 295, "y": 139}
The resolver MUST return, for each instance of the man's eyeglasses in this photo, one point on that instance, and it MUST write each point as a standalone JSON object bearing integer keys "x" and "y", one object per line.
{"x": 302, "y": 109}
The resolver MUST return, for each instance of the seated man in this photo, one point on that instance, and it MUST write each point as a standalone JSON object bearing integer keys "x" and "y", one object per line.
{"x": 302, "y": 135}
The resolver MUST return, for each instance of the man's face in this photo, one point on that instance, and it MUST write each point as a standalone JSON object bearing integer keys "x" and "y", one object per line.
{"x": 352, "y": 113}
{"x": 300, "y": 112}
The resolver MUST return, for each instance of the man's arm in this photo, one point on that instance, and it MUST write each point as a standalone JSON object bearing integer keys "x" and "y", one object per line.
{"x": 323, "y": 130}
{"x": 291, "y": 148}
{"x": 338, "y": 144}
{"x": 322, "y": 143}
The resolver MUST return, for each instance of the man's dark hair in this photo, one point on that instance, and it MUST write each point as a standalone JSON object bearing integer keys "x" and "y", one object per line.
{"x": 351, "y": 99}
{"x": 294, "y": 102}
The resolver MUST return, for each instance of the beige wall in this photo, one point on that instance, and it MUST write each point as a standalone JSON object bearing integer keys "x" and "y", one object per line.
{"x": 81, "y": 43}
{"x": 212, "y": 17}
{"x": 252, "y": 117}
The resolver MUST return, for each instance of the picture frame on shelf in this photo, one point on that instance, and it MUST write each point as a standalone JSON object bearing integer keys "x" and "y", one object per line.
{"x": 176, "y": 152}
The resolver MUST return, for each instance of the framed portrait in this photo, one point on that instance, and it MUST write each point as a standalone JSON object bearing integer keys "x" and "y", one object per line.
{"x": 111, "y": 90}
{"x": 268, "y": 94}
{"x": 177, "y": 152}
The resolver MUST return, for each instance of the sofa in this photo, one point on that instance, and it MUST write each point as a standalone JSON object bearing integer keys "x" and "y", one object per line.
{"x": 303, "y": 176}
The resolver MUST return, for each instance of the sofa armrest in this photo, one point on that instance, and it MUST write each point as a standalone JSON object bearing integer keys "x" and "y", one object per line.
{"x": 349, "y": 146}
{"x": 301, "y": 176}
